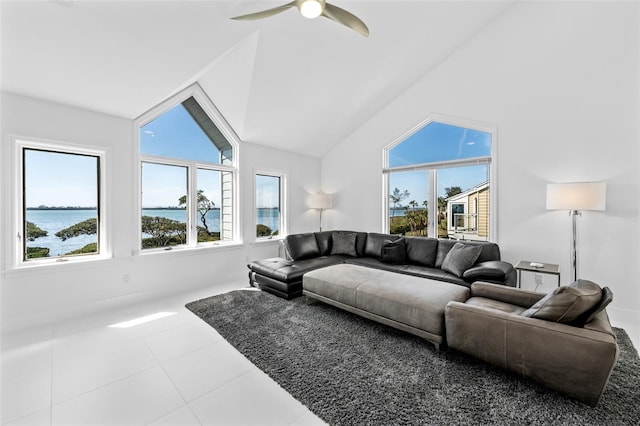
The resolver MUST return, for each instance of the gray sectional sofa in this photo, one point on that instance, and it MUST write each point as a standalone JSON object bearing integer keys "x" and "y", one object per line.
{"x": 418, "y": 256}
{"x": 458, "y": 293}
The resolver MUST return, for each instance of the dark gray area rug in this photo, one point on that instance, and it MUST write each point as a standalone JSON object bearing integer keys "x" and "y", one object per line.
{"x": 352, "y": 371}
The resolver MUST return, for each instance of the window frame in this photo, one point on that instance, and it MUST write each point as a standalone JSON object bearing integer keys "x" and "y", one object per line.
{"x": 20, "y": 144}
{"x": 431, "y": 168}
{"x": 196, "y": 92}
{"x": 283, "y": 229}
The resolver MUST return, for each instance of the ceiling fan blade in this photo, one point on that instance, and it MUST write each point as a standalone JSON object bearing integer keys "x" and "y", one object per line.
{"x": 345, "y": 18}
{"x": 265, "y": 13}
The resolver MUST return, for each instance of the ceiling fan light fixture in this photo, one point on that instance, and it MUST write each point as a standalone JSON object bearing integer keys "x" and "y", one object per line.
{"x": 311, "y": 9}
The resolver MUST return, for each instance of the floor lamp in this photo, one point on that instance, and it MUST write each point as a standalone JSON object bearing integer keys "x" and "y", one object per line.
{"x": 320, "y": 201}
{"x": 576, "y": 197}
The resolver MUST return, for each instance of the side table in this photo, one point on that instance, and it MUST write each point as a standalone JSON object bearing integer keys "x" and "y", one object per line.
{"x": 546, "y": 268}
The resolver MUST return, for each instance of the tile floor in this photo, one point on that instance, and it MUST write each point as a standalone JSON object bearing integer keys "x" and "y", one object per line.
{"x": 172, "y": 371}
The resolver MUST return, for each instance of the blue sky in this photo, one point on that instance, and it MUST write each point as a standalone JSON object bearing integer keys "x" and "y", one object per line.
{"x": 176, "y": 135}
{"x": 439, "y": 142}
{"x": 57, "y": 179}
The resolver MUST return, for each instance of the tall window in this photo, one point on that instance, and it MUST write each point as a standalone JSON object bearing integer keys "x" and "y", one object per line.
{"x": 61, "y": 202}
{"x": 269, "y": 205}
{"x": 187, "y": 175}
{"x": 438, "y": 182}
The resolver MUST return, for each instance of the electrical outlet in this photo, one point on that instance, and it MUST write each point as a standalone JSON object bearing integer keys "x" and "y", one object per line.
{"x": 538, "y": 279}
{"x": 125, "y": 278}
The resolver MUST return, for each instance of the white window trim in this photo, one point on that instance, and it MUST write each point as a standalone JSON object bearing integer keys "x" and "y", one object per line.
{"x": 20, "y": 143}
{"x": 282, "y": 232}
{"x": 431, "y": 167}
{"x": 208, "y": 106}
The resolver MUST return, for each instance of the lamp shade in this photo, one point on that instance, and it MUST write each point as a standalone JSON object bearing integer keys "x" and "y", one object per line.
{"x": 320, "y": 201}
{"x": 576, "y": 196}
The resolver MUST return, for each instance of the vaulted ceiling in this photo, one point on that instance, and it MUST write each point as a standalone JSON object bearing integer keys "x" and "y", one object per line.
{"x": 286, "y": 81}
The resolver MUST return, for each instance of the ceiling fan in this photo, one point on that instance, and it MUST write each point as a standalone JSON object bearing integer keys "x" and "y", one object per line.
{"x": 312, "y": 9}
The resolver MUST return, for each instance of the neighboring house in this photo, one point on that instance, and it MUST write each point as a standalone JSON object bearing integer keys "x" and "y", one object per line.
{"x": 468, "y": 213}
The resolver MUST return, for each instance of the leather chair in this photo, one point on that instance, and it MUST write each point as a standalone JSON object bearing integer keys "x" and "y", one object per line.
{"x": 495, "y": 325}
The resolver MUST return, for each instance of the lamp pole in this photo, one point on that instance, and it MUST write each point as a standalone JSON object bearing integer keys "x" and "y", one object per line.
{"x": 574, "y": 236}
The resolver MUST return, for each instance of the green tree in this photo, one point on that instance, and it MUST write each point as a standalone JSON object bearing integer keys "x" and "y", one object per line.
{"x": 204, "y": 206}
{"x": 164, "y": 231}
{"x": 34, "y": 231}
{"x": 263, "y": 230}
{"x": 35, "y": 252}
{"x": 89, "y": 248}
{"x": 396, "y": 199}
{"x": 86, "y": 227}
{"x": 452, "y": 190}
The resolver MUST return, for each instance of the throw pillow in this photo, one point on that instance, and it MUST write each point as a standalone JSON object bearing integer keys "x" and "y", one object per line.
{"x": 460, "y": 258}
{"x": 344, "y": 243}
{"x": 567, "y": 303}
{"x": 607, "y": 297}
{"x": 394, "y": 252}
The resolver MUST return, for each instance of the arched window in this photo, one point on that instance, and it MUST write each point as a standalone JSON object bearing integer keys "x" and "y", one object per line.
{"x": 438, "y": 181}
{"x": 187, "y": 174}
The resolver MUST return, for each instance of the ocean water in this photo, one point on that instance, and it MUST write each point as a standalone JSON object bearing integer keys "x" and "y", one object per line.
{"x": 57, "y": 220}
{"x": 53, "y": 221}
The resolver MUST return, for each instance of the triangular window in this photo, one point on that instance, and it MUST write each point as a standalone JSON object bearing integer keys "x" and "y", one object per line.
{"x": 188, "y": 133}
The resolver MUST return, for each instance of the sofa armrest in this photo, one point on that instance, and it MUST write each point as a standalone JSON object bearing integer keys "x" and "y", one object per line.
{"x": 492, "y": 271}
{"x": 513, "y": 296}
{"x": 573, "y": 360}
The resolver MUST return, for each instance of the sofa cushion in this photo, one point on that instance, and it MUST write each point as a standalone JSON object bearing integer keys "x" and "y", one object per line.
{"x": 460, "y": 258}
{"x": 422, "y": 251}
{"x": 324, "y": 242}
{"x": 566, "y": 303}
{"x": 302, "y": 246}
{"x": 373, "y": 246}
{"x": 344, "y": 243}
{"x": 393, "y": 252}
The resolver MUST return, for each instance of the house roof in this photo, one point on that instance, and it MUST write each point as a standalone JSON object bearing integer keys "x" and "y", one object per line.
{"x": 285, "y": 82}
{"x": 469, "y": 191}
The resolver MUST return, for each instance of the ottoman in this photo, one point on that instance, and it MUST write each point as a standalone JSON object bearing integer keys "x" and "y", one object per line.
{"x": 412, "y": 304}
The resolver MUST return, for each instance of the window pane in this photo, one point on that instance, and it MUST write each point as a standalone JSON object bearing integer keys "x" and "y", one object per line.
{"x": 209, "y": 205}
{"x": 408, "y": 195}
{"x": 61, "y": 204}
{"x": 185, "y": 132}
{"x": 164, "y": 201}
{"x": 440, "y": 142}
{"x": 463, "y": 202}
{"x": 267, "y": 205}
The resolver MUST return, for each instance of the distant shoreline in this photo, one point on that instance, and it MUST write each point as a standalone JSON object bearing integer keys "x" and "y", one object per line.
{"x": 61, "y": 208}
{"x": 144, "y": 208}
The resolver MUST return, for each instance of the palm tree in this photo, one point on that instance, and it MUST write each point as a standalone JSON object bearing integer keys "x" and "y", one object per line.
{"x": 396, "y": 198}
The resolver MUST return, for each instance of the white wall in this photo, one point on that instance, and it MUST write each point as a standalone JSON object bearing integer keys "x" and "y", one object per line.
{"x": 35, "y": 295}
{"x": 561, "y": 82}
